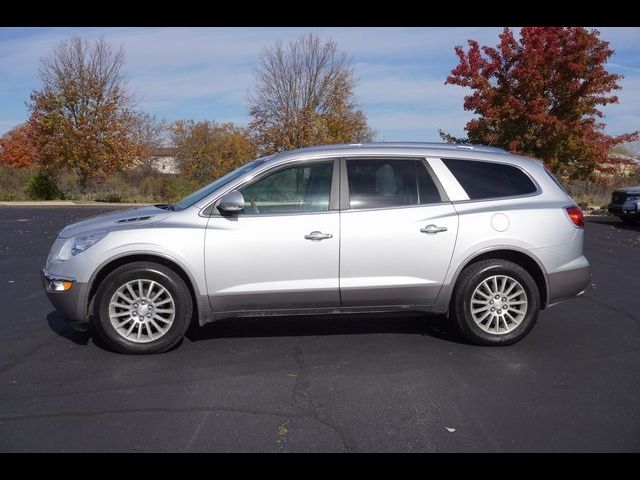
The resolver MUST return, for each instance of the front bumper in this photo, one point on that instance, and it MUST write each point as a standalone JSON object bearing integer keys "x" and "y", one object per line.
{"x": 624, "y": 209}
{"x": 72, "y": 303}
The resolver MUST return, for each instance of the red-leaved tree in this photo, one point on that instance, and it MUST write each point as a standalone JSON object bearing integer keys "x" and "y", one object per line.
{"x": 540, "y": 95}
{"x": 17, "y": 149}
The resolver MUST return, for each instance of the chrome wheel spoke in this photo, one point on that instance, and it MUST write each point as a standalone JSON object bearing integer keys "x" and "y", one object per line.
{"x": 158, "y": 317}
{"x": 130, "y": 329}
{"x": 125, "y": 298}
{"x": 498, "y": 304}
{"x": 164, "y": 310}
{"x": 144, "y": 321}
{"x": 504, "y": 320}
{"x": 124, "y": 322}
{"x": 160, "y": 292}
{"x": 120, "y": 305}
{"x": 131, "y": 292}
{"x": 482, "y": 294}
{"x": 151, "y": 285}
{"x": 515, "y": 295}
{"x": 156, "y": 326}
{"x": 511, "y": 287}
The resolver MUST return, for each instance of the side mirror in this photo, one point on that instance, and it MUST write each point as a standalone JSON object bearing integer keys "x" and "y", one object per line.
{"x": 232, "y": 202}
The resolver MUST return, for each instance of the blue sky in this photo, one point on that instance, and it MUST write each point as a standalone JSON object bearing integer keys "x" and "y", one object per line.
{"x": 205, "y": 73}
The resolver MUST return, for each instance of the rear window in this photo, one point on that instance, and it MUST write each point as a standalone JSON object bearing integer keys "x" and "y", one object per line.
{"x": 490, "y": 180}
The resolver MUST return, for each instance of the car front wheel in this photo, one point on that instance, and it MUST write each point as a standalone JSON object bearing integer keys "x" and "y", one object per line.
{"x": 142, "y": 307}
{"x": 495, "y": 302}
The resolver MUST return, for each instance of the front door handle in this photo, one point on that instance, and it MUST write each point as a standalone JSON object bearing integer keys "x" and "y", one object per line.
{"x": 433, "y": 229}
{"x": 316, "y": 235}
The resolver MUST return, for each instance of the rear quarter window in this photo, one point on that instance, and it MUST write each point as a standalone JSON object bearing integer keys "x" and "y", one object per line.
{"x": 482, "y": 179}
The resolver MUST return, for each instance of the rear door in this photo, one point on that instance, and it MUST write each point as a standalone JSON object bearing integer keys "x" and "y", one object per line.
{"x": 397, "y": 232}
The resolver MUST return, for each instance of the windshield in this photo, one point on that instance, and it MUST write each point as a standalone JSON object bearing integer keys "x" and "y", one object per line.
{"x": 215, "y": 185}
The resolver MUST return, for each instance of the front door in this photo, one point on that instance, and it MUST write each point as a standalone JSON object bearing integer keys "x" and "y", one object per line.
{"x": 282, "y": 251}
{"x": 397, "y": 232}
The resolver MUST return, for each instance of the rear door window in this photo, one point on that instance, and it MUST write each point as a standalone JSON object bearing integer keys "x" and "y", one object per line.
{"x": 482, "y": 179}
{"x": 384, "y": 183}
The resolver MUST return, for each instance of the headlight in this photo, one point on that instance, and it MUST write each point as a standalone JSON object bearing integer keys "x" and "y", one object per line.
{"x": 64, "y": 248}
{"x": 81, "y": 243}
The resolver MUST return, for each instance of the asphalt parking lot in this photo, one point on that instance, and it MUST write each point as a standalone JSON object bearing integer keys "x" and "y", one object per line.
{"x": 364, "y": 383}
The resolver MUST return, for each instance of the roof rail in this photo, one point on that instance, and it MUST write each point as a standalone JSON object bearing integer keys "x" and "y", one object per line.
{"x": 440, "y": 145}
{"x": 432, "y": 145}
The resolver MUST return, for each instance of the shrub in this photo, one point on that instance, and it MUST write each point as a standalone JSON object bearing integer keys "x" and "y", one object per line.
{"x": 42, "y": 186}
{"x": 12, "y": 183}
{"x": 174, "y": 189}
{"x": 111, "y": 197}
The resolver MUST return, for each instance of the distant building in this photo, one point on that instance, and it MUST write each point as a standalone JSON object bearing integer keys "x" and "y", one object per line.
{"x": 163, "y": 160}
{"x": 623, "y": 164}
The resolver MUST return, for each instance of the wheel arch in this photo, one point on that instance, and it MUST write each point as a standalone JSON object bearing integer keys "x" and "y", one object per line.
{"x": 110, "y": 265}
{"x": 525, "y": 259}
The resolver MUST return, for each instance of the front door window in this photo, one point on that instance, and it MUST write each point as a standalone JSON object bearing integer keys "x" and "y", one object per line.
{"x": 300, "y": 189}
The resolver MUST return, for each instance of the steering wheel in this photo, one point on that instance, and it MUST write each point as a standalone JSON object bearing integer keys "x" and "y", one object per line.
{"x": 254, "y": 206}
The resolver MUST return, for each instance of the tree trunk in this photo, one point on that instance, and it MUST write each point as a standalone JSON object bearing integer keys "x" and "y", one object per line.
{"x": 83, "y": 182}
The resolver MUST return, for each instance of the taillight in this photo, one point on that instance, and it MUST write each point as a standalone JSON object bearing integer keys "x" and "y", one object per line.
{"x": 575, "y": 215}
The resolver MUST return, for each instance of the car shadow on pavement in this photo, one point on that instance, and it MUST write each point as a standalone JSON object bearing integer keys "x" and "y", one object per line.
{"x": 615, "y": 222}
{"x": 59, "y": 325}
{"x": 313, "y": 325}
{"x": 284, "y": 326}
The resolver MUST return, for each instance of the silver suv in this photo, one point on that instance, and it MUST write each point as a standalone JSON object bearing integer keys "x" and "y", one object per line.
{"x": 474, "y": 232}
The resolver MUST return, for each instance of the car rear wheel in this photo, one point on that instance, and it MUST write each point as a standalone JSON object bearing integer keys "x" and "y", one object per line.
{"x": 142, "y": 307}
{"x": 495, "y": 302}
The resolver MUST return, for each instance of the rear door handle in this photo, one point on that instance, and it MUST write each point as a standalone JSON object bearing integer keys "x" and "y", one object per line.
{"x": 316, "y": 235}
{"x": 433, "y": 229}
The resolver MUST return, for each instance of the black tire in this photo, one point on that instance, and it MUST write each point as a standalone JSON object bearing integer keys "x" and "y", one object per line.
{"x": 164, "y": 276}
{"x": 474, "y": 275}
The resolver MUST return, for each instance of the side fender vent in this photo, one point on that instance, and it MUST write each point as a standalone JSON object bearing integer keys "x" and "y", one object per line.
{"x": 133, "y": 219}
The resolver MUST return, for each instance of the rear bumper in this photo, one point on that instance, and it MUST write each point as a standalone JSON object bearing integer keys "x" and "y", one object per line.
{"x": 71, "y": 303}
{"x": 568, "y": 283}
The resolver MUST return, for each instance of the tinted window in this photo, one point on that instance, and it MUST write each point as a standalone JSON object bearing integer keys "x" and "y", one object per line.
{"x": 490, "y": 180}
{"x": 379, "y": 183}
{"x": 299, "y": 189}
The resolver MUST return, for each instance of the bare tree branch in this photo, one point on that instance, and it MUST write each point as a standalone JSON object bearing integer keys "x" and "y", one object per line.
{"x": 304, "y": 95}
